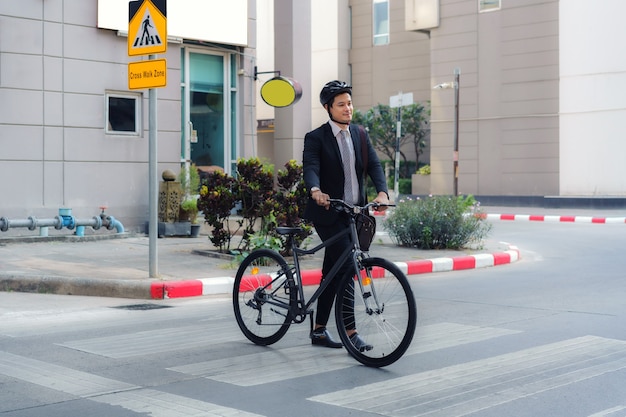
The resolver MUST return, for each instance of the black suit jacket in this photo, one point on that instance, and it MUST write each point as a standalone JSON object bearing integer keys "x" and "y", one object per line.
{"x": 323, "y": 168}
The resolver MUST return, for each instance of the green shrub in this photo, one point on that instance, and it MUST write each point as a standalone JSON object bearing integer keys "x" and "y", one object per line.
{"x": 424, "y": 170}
{"x": 404, "y": 185}
{"x": 439, "y": 222}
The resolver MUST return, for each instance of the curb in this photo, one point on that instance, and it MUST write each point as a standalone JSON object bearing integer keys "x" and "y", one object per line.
{"x": 52, "y": 284}
{"x": 562, "y": 219}
{"x": 224, "y": 285}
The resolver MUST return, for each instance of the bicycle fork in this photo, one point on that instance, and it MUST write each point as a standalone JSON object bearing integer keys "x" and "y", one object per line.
{"x": 368, "y": 290}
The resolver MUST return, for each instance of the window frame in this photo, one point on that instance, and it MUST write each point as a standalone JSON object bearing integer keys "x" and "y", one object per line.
{"x": 483, "y": 7}
{"x": 384, "y": 38}
{"x": 138, "y": 98}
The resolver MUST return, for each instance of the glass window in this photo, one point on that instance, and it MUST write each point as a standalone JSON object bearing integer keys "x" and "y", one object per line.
{"x": 488, "y": 5}
{"x": 381, "y": 22}
{"x": 123, "y": 113}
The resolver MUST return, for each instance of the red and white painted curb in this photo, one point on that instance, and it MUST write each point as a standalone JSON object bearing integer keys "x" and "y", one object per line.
{"x": 563, "y": 219}
{"x": 224, "y": 285}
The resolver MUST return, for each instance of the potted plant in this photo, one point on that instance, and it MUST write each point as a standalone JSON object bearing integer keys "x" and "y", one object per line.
{"x": 190, "y": 209}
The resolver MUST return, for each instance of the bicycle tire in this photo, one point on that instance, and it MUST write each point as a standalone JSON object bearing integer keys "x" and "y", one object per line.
{"x": 263, "y": 294}
{"x": 389, "y": 328}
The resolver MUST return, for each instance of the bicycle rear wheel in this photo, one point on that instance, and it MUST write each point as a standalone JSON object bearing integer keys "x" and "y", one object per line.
{"x": 263, "y": 294}
{"x": 384, "y": 315}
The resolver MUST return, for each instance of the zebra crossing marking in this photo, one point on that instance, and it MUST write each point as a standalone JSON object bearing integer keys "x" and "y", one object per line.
{"x": 467, "y": 388}
{"x": 277, "y": 366}
{"x": 109, "y": 391}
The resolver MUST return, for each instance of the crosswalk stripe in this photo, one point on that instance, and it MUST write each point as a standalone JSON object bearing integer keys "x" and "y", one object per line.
{"x": 162, "y": 404}
{"x": 281, "y": 364}
{"x": 470, "y": 387}
{"x": 57, "y": 377}
{"x": 156, "y": 341}
{"x": 109, "y": 391}
{"x": 610, "y": 412}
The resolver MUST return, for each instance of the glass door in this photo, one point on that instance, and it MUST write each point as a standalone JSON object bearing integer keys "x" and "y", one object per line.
{"x": 206, "y": 119}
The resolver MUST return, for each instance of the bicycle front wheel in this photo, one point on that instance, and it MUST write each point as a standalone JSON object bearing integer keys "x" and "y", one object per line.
{"x": 263, "y": 294}
{"x": 384, "y": 314}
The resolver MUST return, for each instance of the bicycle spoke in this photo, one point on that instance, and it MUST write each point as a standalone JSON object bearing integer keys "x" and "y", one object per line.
{"x": 263, "y": 293}
{"x": 385, "y": 319}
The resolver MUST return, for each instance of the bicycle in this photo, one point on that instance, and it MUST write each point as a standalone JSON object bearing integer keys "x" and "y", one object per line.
{"x": 268, "y": 296}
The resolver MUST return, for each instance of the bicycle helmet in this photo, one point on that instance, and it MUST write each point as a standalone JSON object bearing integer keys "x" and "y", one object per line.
{"x": 333, "y": 88}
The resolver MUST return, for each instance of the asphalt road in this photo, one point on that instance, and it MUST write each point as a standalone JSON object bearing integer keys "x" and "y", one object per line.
{"x": 544, "y": 336}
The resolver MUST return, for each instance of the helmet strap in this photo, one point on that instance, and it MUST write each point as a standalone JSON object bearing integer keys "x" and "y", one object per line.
{"x": 331, "y": 116}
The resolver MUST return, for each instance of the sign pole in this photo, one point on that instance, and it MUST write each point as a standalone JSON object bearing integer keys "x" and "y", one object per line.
{"x": 398, "y": 102}
{"x": 153, "y": 192}
{"x": 147, "y": 35}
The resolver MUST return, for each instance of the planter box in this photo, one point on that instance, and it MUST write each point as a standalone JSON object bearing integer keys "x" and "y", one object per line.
{"x": 420, "y": 184}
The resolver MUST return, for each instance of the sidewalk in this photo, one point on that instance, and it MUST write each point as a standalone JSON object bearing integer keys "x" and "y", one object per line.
{"x": 117, "y": 265}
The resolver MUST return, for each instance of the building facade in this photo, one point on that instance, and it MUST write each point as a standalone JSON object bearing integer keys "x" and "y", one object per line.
{"x": 72, "y": 132}
{"x": 539, "y": 109}
{"x": 540, "y": 98}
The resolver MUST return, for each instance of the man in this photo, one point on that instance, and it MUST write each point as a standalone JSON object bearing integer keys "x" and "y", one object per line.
{"x": 326, "y": 176}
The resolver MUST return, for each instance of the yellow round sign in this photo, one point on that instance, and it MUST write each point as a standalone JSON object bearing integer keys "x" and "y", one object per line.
{"x": 281, "y": 92}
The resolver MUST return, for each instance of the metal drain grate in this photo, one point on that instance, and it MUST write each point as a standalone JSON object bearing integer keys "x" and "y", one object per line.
{"x": 147, "y": 306}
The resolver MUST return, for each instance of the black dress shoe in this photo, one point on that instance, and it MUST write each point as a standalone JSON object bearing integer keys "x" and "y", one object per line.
{"x": 359, "y": 343}
{"x": 321, "y": 337}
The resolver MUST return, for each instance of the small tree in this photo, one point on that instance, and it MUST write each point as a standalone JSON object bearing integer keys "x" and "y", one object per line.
{"x": 415, "y": 127}
{"x": 380, "y": 122}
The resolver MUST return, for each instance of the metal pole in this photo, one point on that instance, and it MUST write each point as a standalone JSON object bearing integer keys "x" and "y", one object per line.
{"x": 153, "y": 194}
{"x": 396, "y": 187}
{"x": 455, "y": 158}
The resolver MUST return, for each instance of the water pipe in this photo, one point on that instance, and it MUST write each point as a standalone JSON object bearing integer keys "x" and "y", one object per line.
{"x": 64, "y": 219}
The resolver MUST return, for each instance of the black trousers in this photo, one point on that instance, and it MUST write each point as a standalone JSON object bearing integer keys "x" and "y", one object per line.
{"x": 332, "y": 254}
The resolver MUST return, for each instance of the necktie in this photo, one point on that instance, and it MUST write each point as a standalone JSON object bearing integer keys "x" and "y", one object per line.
{"x": 348, "y": 169}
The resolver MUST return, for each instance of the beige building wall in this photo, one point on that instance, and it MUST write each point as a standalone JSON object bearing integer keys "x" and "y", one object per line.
{"x": 382, "y": 71}
{"x": 541, "y": 101}
{"x": 329, "y": 42}
{"x": 509, "y": 98}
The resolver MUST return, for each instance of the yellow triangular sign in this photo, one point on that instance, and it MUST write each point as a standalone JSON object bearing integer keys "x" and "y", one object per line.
{"x": 147, "y": 28}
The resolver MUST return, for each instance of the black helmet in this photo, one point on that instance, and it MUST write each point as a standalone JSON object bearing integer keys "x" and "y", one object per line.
{"x": 333, "y": 88}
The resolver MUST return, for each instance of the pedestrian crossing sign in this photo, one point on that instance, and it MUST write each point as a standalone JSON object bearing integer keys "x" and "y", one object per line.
{"x": 147, "y": 27}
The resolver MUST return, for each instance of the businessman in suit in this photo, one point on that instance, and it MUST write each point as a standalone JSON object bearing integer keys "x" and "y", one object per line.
{"x": 326, "y": 176}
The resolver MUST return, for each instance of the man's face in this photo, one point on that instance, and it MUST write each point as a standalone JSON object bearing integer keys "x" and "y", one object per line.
{"x": 341, "y": 109}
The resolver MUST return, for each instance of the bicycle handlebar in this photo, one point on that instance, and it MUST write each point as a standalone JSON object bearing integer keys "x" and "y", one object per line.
{"x": 340, "y": 205}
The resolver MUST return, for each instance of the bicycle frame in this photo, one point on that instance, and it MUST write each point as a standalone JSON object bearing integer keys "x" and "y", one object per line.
{"x": 298, "y": 313}
{"x": 353, "y": 249}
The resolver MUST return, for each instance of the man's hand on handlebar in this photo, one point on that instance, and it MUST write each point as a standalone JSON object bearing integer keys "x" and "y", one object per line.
{"x": 322, "y": 199}
{"x": 382, "y": 200}
{"x": 380, "y": 203}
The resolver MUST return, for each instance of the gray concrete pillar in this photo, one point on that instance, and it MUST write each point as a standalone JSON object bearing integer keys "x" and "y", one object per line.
{"x": 292, "y": 31}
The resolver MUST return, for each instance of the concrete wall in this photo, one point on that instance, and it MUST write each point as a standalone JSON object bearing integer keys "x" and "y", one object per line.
{"x": 509, "y": 98}
{"x": 593, "y": 104}
{"x": 382, "y": 71}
